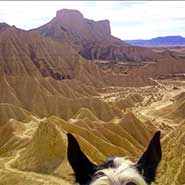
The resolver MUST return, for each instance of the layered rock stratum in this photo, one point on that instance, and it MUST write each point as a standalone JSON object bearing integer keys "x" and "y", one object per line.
{"x": 93, "y": 39}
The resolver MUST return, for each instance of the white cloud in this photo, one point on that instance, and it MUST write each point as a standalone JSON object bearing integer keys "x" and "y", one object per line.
{"x": 129, "y": 20}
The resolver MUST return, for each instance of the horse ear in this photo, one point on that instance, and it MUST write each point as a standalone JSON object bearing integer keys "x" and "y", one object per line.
{"x": 150, "y": 159}
{"x": 81, "y": 165}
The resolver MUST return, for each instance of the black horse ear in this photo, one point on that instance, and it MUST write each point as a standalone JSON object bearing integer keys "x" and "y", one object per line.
{"x": 149, "y": 161}
{"x": 81, "y": 165}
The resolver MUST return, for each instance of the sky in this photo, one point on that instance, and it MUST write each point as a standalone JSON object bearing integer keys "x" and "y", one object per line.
{"x": 128, "y": 20}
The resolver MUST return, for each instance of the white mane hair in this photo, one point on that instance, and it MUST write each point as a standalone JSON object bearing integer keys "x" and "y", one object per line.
{"x": 122, "y": 173}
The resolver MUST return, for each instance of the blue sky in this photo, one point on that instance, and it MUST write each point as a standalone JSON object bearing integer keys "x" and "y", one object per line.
{"x": 129, "y": 20}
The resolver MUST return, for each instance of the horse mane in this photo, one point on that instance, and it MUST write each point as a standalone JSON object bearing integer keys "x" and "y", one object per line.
{"x": 123, "y": 173}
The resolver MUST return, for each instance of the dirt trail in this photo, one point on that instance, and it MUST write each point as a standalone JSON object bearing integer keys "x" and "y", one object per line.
{"x": 43, "y": 179}
{"x": 154, "y": 99}
{"x": 167, "y": 93}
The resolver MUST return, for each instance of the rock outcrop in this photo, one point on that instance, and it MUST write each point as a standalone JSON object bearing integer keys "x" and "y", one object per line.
{"x": 92, "y": 39}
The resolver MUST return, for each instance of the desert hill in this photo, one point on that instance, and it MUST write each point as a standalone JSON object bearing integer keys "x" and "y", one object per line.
{"x": 92, "y": 39}
{"x": 40, "y": 157}
{"x": 4, "y": 26}
{"x": 173, "y": 158}
{"x": 43, "y": 77}
{"x": 175, "y": 110}
{"x": 24, "y": 150}
{"x": 28, "y": 54}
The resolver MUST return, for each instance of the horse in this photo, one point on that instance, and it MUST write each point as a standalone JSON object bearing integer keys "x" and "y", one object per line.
{"x": 115, "y": 170}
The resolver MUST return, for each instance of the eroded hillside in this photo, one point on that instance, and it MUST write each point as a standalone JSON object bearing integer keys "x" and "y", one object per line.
{"x": 93, "y": 39}
{"x": 122, "y": 125}
{"x": 47, "y": 90}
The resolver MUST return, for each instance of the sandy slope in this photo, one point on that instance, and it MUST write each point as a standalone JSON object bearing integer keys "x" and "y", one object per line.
{"x": 33, "y": 151}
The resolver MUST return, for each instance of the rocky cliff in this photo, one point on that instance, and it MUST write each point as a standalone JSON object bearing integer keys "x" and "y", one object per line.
{"x": 92, "y": 39}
